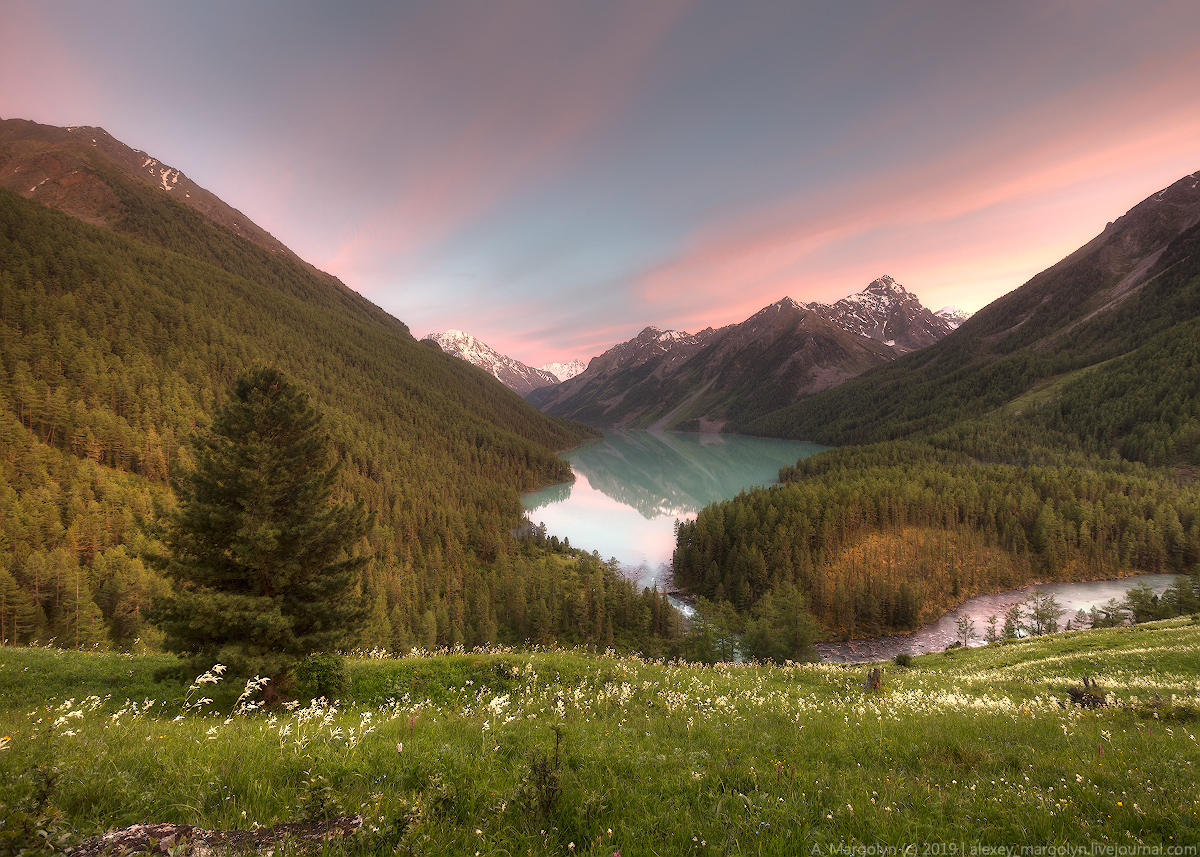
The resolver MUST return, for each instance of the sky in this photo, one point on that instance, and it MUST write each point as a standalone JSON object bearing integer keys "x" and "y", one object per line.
{"x": 552, "y": 177}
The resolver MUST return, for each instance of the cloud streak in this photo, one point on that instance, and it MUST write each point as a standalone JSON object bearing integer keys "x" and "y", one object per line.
{"x": 552, "y": 178}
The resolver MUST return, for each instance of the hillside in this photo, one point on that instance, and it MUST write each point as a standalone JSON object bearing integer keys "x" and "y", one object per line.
{"x": 71, "y": 168}
{"x": 1129, "y": 296}
{"x": 119, "y": 341}
{"x": 1054, "y": 435}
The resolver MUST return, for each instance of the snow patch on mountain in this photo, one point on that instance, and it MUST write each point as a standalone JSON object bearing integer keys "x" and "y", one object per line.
{"x": 953, "y": 315}
{"x": 509, "y": 371}
{"x": 564, "y": 371}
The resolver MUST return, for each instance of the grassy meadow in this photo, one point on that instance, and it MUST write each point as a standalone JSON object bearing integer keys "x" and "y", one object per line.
{"x": 565, "y": 752}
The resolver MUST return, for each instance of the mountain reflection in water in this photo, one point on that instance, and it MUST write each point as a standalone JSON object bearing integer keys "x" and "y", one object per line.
{"x": 632, "y": 486}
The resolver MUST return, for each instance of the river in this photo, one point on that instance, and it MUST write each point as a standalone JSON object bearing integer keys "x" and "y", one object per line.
{"x": 936, "y": 636}
{"x": 632, "y": 486}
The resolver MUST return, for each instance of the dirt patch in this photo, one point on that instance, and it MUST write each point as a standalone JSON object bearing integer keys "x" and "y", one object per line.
{"x": 300, "y": 837}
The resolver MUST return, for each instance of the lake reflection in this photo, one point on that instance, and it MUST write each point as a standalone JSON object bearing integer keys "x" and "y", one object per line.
{"x": 632, "y": 486}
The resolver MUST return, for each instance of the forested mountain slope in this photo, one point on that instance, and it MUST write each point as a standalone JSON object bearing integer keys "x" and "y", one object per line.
{"x": 1132, "y": 287}
{"x": 1054, "y": 435}
{"x": 71, "y": 169}
{"x": 117, "y": 343}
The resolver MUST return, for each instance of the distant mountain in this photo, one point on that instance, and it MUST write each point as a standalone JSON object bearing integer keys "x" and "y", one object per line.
{"x": 953, "y": 315}
{"x": 886, "y": 312}
{"x": 1099, "y": 349}
{"x": 673, "y": 379}
{"x": 509, "y": 371}
{"x": 563, "y": 371}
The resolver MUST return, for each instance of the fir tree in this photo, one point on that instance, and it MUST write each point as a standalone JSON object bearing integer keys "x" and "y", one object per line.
{"x": 261, "y": 559}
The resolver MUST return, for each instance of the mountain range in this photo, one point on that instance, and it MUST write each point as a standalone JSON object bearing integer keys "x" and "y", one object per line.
{"x": 884, "y": 312}
{"x": 1095, "y": 347}
{"x": 509, "y": 371}
{"x": 700, "y": 382}
{"x": 1058, "y": 425}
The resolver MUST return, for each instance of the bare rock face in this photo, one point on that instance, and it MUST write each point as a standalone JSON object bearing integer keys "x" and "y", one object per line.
{"x": 302, "y": 837}
{"x": 887, "y": 312}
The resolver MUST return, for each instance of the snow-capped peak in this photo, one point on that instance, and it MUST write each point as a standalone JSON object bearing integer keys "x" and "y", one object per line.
{"x": 885, "y": 283}
{"x": 511, "y": 372}
{"x": 953, "y": 315}
{"x": 564, "y": 371}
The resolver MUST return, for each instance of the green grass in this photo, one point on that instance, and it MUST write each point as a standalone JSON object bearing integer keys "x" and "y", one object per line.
{"x": 1046, "y": 391}
{"x": 456, "y": 753}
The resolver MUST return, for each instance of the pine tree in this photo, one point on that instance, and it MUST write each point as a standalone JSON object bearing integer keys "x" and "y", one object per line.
{"x": 261, "y": 560}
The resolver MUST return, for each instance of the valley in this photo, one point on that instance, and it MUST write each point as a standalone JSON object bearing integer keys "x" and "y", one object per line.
{"x": 607, "y": 429}
{"x": 974, "y": 454}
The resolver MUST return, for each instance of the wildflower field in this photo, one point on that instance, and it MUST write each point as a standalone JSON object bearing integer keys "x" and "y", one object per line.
{"x": 565, "y": 752}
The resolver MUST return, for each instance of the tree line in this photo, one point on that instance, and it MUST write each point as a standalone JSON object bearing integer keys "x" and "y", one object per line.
{"x": 885, "y": 537}
{"x": 116, "y": 350}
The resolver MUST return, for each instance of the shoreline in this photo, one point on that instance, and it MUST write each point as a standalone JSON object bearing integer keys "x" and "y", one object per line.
{"x": 937, "y": 635}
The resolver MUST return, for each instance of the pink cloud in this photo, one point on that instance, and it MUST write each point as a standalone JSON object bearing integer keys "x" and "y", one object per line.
{"x": 1014, "y": 200}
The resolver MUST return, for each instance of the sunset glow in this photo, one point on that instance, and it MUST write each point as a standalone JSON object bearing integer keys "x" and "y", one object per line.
{"x": 553, "y": 177}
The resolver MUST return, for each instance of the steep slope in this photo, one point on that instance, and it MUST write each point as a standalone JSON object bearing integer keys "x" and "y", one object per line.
{"x": 510, "y": 372}
{"x": 1133, "y": 283}
{"x": 676, "y": 380}
{"x": 117, "y": 341}
{"x": 886, "y": 312}
{"x": 1055, "y": 435}
{"x": 64, "y": 169}
{"x": 786, "y": 351}
{"x": 87, "y": 173}
{"x": 598, "y": 393}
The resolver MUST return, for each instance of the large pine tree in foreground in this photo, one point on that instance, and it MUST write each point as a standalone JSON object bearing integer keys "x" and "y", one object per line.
{"x": 261, "y": 559}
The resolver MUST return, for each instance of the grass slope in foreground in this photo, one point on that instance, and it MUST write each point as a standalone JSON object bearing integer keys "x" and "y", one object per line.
{"x": 561, "y": 752}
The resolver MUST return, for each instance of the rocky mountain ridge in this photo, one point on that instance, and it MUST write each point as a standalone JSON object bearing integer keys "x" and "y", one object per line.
{"x": 887, "y": 312}
{"x": 564, "y": 371}
{"x": 58, "y": 167}
{"x": 1110, "y": 321}
{"x": 509, "y": 371}
{"x": 674, "y": 379}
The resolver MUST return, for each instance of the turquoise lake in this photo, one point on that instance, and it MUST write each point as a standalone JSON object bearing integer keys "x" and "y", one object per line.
{"x": 632, "y": 486}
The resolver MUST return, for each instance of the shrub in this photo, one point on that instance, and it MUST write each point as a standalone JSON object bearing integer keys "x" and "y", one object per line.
{"x": 323, "y": 674}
